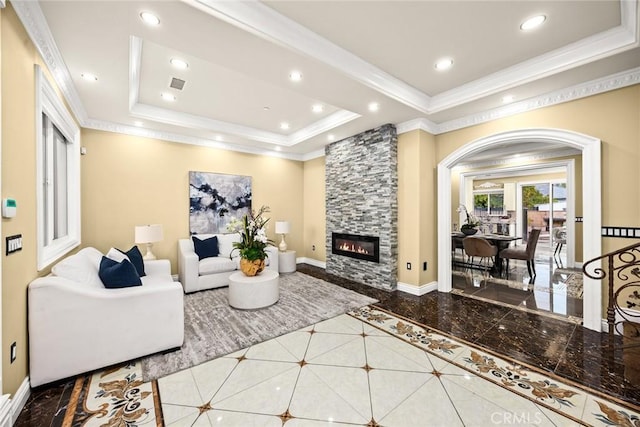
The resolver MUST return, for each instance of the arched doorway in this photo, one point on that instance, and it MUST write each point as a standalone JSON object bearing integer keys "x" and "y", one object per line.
{"x": 591, "y": 207}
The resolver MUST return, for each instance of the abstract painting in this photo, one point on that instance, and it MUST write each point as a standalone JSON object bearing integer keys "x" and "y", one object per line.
{"x": 215, "y": 199}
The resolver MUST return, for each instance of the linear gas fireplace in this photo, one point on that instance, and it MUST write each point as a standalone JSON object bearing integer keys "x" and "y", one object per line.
{"x": 356, "y": 246}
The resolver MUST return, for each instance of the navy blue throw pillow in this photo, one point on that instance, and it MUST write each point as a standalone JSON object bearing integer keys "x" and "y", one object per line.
{"x": 118, "y": 274}
{"x": 206, "y": 248}
{"x": 136, "y": 259}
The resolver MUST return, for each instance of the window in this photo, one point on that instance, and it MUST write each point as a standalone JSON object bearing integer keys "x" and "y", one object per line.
{"x": 58, "y": 175}
{"x": 488, "y": 203}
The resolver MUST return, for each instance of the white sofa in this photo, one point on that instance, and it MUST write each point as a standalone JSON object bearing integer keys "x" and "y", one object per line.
{"x": 208, "y": 273}
{"x": 77, "y": 325}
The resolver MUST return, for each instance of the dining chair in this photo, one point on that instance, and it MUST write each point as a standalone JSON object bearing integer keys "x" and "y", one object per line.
{"x": 560, "y": 237}
{"x": 476, "y": 246}
{"x": 526, "y": 254}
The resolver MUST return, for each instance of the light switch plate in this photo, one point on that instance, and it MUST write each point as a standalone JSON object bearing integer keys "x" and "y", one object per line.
{"x": 13, "y": 243}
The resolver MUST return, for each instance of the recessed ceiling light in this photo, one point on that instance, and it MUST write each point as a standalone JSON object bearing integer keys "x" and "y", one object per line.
{"x": 317, "y": 108}
{"x": 374, "y": 106}
{"x": 218, "y": 137}
{"x": 89, "y": 77}
{"x": 507, "y": 99}
{"x": 138, "y": 123}
{"x": 331, "y": 137}
{"x": 278, "y": 148}
{"x": 149, "y": 18}
{"x": 295, "y": 76}
{"x": 444, "y": 64}
{"x": 168, "y": 96}
{"x": 533, "y": 22}
{"x": 179, "y": 63}
{"x": 284, "y": 125}
{"x": 266, "y": 108}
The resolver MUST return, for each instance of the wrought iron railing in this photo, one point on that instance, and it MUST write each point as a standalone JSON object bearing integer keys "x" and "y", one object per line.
{"x": 620, "y": 272}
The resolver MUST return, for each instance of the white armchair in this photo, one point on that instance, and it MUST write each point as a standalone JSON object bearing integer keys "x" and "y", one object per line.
{"x": 208, "y": 273}
{"x": 77, "y": 325}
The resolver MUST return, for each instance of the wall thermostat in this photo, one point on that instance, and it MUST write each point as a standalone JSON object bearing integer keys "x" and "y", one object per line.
{"x": 9, "y": 208}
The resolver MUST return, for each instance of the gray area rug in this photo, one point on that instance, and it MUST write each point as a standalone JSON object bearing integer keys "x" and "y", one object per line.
{"x": 212, "y": 328}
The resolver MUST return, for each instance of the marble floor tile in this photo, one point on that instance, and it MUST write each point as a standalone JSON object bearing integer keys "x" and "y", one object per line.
{"x": 398, "y": 377}
{"x": 370, "y": 373}
{"x": 262, "y": 387}
{"x": 337, "y": 350}
{"x": 332, "y": 393}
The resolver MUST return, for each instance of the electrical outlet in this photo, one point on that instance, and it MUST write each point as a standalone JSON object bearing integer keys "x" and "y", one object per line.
{"x": 13, "y": 352}
{"x": 408, "y": 266}
{"x": 424, "y": 266}
{"x": 313, "y": 247}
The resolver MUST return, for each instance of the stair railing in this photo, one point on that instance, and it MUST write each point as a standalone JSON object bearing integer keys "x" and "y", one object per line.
{"x": 620, "y": 270}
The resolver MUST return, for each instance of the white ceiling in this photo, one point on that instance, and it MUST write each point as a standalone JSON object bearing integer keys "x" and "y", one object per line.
{"x": 350, "y": 53}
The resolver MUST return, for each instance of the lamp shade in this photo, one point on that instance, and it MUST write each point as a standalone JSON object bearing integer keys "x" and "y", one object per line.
{"x": 148, "y": 233}
{"x": 282, "y": 227}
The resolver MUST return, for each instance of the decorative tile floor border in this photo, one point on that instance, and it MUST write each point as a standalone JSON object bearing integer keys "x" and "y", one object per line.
{"x": 586, "y": 407}
{"x": 114, "y": 396}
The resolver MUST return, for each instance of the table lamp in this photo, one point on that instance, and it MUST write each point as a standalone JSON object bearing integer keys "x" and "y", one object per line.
{"x": 282, "y": 227}
{"x": 148, "y": 234}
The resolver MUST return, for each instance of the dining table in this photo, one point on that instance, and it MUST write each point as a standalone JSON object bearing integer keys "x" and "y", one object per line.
{"x": 501, "y": 241}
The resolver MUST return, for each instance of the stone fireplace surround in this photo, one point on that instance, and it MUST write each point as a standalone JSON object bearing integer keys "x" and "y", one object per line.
{"x": 362, "y": 199}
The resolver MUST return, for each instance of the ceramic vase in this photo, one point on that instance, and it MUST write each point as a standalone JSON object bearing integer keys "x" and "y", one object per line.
{"x": 251, "y": 268}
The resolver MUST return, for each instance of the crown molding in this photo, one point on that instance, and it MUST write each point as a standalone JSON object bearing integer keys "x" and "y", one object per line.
{"x": 265, "y": 22}
{"x": 597, "y": 46}
{"x": 332, "y": 121}
{"x": 421, "y": 123}
{"x": 262, "y": 21}
{"x": 509, "y": 160}
{"x": 165, "y": 115}
{"x": 313, "y": 155}
{"x": 184, "y": 139}
{"x": 34, "y": 22}
{"x": 135, "y": 64}
{"x": 572, "y": 93}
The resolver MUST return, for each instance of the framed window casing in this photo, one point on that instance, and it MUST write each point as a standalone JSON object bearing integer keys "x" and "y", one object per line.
{"x": 58, "y": 175}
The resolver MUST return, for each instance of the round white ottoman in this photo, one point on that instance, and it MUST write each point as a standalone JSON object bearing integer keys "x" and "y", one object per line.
{"x": 247, "y": 293}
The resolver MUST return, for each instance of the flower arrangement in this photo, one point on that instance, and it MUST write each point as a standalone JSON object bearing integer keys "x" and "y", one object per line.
{"x": 472, "y": 221}
{"x": 252, "y": 229}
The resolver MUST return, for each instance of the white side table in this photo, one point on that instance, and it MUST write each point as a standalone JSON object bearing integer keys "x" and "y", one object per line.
{"x": 249, "y": 293}
{"x": 287, "y": 261}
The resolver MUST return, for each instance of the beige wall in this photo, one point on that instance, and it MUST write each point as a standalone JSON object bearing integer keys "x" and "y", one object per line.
{"x": 19, "y": 182}
{"x": 417, "y": 234}
{"x": 314, "y": 196}
{"x": 128, "y": 181}
{"x": 613, "y": 117}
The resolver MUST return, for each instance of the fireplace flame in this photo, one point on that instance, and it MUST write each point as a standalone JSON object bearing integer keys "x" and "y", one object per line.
{"x": 353, "y": 248}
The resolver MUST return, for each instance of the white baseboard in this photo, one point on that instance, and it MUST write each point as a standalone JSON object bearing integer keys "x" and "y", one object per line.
{"x": 5, "y": 411}
{"x": 311, "y": 261}
{"x": 20, "y": 399}
{"x": 418, "y": 290}
{"x": 632, "y": 314}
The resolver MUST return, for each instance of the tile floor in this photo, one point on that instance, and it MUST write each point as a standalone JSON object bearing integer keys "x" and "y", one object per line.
{"x": 367, "y": 367}
{"x": 558, "y": 347}
{"x": 546, "y": 294}
{"x": 344, "y": 371}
